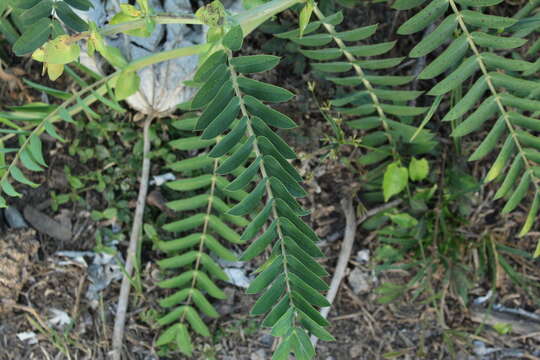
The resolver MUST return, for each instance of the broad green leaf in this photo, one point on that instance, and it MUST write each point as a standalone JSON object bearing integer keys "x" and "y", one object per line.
{"x": 34, "y": 36}
{"x": 395, "y": 180}
{"x": 69, "y": 17}
{"x": 61, "y": 51}
{"x": 127, "y": 84}
{"x": 468, "y": 101}
{"x": 407, "y": 4}
{"x": 506, "y": 151}
{"x": 322, "y": 54}
{"x": 37, "y": 13}
{"x": 234, "y": 38}
{"x": 418, "y": 169}
{"x": 479, "y": 3}
{"x": 313, "y": 40}
{"x": 284, "y": 324}
{"x": 207, "y": 68}
{"x": 17, "y": 174}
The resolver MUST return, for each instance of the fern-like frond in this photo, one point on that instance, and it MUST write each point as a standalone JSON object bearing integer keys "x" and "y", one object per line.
{"x": 499, "y": 90}
{"x": 373, "y": 103}
{"x": 204, "y": 211}
{"x": 236, "y": 117}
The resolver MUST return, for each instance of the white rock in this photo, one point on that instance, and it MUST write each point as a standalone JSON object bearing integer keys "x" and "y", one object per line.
{"x": 360, "y": 281}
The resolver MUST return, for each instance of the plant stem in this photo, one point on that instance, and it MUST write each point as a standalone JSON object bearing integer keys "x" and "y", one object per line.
{"x": 123, "y": 299}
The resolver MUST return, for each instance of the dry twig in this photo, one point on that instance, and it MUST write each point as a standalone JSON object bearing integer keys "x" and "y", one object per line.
{"x": 346, "y": 247}
{"x": 123, "y": 299}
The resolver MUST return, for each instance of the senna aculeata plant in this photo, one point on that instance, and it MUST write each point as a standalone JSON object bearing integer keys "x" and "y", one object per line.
{"x": 502, "y": 89}
{"x": 249, "y": 170}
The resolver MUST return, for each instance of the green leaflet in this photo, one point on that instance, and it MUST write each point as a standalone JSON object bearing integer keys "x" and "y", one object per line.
{"x": 221, "y": 100}
{"x": 261, "y": 129}
{"x": 270, "y": 116}
{"x": 323, "y": 54}
{"x": 499, "y": 164}
{"x": 499, "y": 62}
{"x": 424, "y": 18}
{"x": 358, "y": 34}
{"x": 263, "y": 91}
{"x": 234, "y": 38}
{"x": 270, "y": 297}
{"x": 332, "y": 67}
{"x": 254, "y": 63}
{"x": 33, "y": 37}
{"x": 238, "y": 158}
{"x": 468, "y": 101}
{"x": 490, "y": 21}
{"x": 490, "y": 141}
{"x": 518, "y": 194}
{"x": 436, "y": 38}
{"x": 497, "y": 42}
{"x": 511, "y": 178}
{"x": 211, "y": 87}
{"x": 371, "y": 50}
{"x": 378, "y": 64}
{"x": 264, "y": 240}
{"x": 458, "y": 76}
{"x": 69, "y": 17}
{"x": 230, "y": 140}
{"x": 223, "y": 120}
{"x": 484, "y": 112}
{"x": 206, "y": 70}
{"x": 449, "y": 57}
{"x": 407, "y": 4}
{"x": 313, "y": 40}
{"x": 274, "y": 168}
{"x": 251, "y": 201}
{"x": 245, "y": 177}
{"x": 531, "y": 216}
{"x": 266, "y": 277}
{"x": 479, "y": 3}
